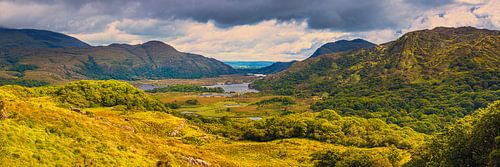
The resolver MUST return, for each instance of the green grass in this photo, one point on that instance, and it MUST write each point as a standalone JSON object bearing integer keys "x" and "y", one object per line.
{"x": 41, "y": 130}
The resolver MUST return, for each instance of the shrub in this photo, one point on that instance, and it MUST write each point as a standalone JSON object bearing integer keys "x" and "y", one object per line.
{"x": 192, "y": 102}
{"x": 106, "y": 94}
{"x": 282, "y": 100}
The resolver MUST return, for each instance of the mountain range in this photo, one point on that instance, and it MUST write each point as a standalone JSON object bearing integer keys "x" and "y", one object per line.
{"x": 49, "y": 56}
{"x": 328, "y": 48}
{"x": 416, "y": 57}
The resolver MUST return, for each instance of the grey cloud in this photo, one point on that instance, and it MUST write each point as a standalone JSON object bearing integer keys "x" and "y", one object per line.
{"x": 341, "y": 15}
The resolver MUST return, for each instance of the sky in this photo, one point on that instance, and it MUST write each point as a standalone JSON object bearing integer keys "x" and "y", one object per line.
{"x": 247, "y": 30}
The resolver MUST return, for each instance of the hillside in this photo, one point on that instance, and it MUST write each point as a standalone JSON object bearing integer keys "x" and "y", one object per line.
{"x": 58, "y": 63}
{"x": 342, "y": 46}
{"x": 271, "y": 69}
{"x": 111, "y": 123}
{"x": 418, "y": 75}
{"x": 31, "y": 38}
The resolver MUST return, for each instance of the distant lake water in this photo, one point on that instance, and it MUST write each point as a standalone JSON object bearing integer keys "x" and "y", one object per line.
{"x": 238, "y": 88}
{"x": 146, "y": 87}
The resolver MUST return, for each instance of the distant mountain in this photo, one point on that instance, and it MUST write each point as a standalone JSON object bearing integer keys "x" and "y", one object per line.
{"x": 342, "y": 46}
{"x": 271, "y": 69}
{"x": 31, "y": 38}
{"x": 53, "y": 57}
{"x": 248, "y": 64}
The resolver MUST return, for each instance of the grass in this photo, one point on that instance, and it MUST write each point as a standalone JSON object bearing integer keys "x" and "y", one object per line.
{"x": 39, "y": 131}
{"x": 243, "y": 106}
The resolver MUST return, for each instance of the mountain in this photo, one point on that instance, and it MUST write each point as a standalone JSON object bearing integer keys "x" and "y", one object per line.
{"x": 248, "y": 64}
{"x": 31, "y": 38}
{"x": 342, "y": 46}
{"x": 271, "y": 69}
{"x": 421, "y": 73}
{"x": 54, "y": 63}
{"x": 419, "y": 56}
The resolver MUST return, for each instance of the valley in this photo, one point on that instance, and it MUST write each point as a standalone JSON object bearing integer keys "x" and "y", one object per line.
{"x": 428, "y": 98}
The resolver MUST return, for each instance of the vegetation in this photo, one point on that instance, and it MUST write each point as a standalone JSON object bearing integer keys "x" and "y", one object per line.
{"x": 192, "y": 102}
{"x": 38, "y": 127}
{"x": 22, "y": 82}
{"x": 471, "y": 141}
{"x": 105, "y": 94}
{"x": 57, "y": 57}
{"x": 281, "y": 100}
{"x": 404, "y": 103}
{"x": 356, "y": 157}
{"x": 326, "y": 126}
{"x": 186, "y": 88}
{"x": 409, "y": 82}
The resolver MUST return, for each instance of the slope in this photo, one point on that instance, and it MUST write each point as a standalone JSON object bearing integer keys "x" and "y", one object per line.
{"x": 53, "y": 57}
{"x": 118, "y": 125}
{"x": 417, "y": 76}
{"x": 31, "y": 38}
{"x": 342, "y": 46}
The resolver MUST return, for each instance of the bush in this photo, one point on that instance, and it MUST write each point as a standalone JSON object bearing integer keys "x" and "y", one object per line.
{"x": 282, "y": 100}
{"x": 172, "y": 105}
{"x": 22, "y": 82}
{"x": 356, "y": 157}
{"x": 106, "y": 94}
{"x": 192, "y": 102}
{"x": 471, "y": 141}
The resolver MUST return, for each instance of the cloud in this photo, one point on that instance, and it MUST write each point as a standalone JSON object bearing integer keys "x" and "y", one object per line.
{"x": 267, "y": 40}
{"x": 482, "y": 14}
{"x": 342, "y": 15}
{"x": 245, "y": 29}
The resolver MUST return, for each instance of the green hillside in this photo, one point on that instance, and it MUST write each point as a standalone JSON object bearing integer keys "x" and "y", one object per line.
{"x": 424, "y": 80}
{"x": 31, "y": 38}
{"x": 110, "y": 123}
{"x": 342, "y": 46}
{"x": 27, "y": 55}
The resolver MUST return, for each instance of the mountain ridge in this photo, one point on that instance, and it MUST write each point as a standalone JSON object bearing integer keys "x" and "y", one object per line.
{"x": 420, "y": 74}
{"x": 342, "y": 46}
{"x": 57, "y": 63}
{"x": 33, "y": 38}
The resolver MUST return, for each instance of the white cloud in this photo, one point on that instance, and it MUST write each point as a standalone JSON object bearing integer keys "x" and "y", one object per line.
{"x": 111, "y": 35}
{"x": 476, "y": 13}
{"x": 267, "y": 40}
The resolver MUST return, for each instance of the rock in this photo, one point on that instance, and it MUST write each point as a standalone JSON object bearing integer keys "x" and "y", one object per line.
{"x": 76, "y": 110}
{"x": 205, "y": 137}
{"x": 3, "y": 113}
{"x": 163, "y": 164}
{"x": 197, "y": 162}
{"x": 129, "y": 128}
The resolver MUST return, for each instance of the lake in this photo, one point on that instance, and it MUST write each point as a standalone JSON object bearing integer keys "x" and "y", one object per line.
{"x": 237, "y": 88}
